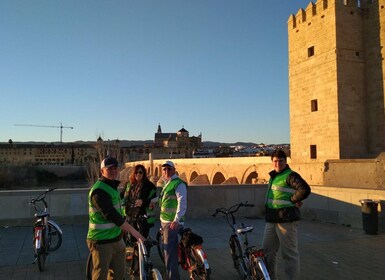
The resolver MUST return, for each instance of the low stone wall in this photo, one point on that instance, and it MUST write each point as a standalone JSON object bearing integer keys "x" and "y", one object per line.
{"x": 325, "y": 204}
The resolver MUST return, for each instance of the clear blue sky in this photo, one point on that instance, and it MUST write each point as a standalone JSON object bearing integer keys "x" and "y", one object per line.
{"x": 117, "y": 69}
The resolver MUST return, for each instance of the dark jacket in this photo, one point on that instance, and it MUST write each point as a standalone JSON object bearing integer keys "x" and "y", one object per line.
{"x": 143, "y": 194}
{"x": 289, "y": 214}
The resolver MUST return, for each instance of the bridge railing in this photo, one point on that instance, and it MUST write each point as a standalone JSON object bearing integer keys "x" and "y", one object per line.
{"x": 325, "y": 204}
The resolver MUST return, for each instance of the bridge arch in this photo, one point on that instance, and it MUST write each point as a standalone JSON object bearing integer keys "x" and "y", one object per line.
{"x": 218, "y": 175}
{"x": 193, "y": 175}
{"x": 156, "y": 171}
{"x": 250, "y": 176}
{"x": 218, "y": 178}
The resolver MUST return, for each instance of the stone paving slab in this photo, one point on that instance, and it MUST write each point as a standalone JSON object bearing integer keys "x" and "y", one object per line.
{"x": 327, "y": 251}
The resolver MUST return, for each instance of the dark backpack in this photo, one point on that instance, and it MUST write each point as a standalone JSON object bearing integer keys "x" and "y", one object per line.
{"x": 189, "y": 238}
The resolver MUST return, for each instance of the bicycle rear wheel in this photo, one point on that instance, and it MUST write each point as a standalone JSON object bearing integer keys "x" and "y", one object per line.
{"x": 55, "y": 238}
{"x": 160, "y": 245}
{"x": 236, "y": 252}
{"x": 201, "y": 270}
{"x": 258, "y": 268}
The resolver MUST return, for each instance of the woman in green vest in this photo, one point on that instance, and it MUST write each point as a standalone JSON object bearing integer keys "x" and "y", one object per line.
{"x": 139, "y": 195}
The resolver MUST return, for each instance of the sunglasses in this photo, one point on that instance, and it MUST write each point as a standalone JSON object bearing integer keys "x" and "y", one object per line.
{"x": 167, "y": 168}
{"x": 139, "y": 172}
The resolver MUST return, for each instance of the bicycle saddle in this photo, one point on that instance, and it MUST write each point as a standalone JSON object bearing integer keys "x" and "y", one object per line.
{"x": 245, "y": 229}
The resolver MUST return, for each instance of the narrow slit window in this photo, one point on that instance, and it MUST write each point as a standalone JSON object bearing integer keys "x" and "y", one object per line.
{"x": 310, "y": 51}
{"x": 313, "y": 151}
{"x": 314, "y": 105}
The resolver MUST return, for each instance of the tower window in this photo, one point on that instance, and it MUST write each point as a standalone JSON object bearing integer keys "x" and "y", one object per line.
{"x": 314, "y": 105}
{"x": 313, "y": 151}
{"x": 310, "y": 51}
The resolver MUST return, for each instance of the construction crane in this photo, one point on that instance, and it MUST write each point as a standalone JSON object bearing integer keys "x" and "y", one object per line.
{"x": 52, "y": 126}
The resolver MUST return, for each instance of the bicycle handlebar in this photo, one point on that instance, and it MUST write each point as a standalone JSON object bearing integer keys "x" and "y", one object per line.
{"x": 41, "y": 197}
{"x": 231, "y": 210}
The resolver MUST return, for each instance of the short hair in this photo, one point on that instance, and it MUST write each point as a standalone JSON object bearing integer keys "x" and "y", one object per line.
{"x": 278, "y": 154}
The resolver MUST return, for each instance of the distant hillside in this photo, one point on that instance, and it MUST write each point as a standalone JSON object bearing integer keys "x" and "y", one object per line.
{"x": 211, "y": 144}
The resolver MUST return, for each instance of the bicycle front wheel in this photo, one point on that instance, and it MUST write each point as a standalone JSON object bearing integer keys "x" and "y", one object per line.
{"x": 199, "y": 261}
{"x": 237, "y": 255}
{"x": 156, "y": 275}
{"x": 89, "y": 267}
{"x": 54, "y": 237}
{"x": 41, "y": 257}
{"x": 160, "y": 245}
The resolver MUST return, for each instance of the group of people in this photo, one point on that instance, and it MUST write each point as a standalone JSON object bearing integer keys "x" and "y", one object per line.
{"x": 107, "y": 220}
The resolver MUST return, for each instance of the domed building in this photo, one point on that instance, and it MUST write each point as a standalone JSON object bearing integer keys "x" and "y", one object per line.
{"x": 179, "y": 142}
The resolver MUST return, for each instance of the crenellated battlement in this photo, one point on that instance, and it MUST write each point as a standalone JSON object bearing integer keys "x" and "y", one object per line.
{"x": 318, "y": 9}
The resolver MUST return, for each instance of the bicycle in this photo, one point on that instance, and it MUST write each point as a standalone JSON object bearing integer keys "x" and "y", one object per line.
{"x": 191, "y": 255}
{"x": 47, "y": 235}
{"x": 248, "y": 260}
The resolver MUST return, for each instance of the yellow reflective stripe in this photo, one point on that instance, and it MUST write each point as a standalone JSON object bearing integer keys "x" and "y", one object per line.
{"x": 279, "y": 202}
{"x": 169, "y": 210}
{"x": 102, "y": 226}
{"x": 282, "y": 189}
{"x": 92, "y": 210}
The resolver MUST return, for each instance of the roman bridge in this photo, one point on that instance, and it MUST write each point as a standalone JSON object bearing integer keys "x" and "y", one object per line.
{"x": 211, "y": 171}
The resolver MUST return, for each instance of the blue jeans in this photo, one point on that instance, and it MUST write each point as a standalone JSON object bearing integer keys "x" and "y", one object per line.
{"x": 284, "y": 236}
{"x": 170, "y": 240}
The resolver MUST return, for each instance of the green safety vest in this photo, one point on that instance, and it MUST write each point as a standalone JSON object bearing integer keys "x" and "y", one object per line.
{"x": 150, "y": 213}
{"x": 279, "y": 193}
{"x": 168, "y": 202}
{"x": 99, "y": 227}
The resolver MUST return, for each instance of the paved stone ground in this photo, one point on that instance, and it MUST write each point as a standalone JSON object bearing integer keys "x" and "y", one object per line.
{"x": 327, "y": 252}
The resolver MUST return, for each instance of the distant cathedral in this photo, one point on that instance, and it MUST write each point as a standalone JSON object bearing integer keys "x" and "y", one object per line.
{"x": 179, "y": 140}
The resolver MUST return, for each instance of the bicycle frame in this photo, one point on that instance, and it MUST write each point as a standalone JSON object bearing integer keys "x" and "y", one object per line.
{"x": 250, "y": 256}
{"x": 146, "y": 269}
{"x": 43, "y": 230}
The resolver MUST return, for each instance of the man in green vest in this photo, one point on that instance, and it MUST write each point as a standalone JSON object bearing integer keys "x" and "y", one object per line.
{"x": 173, "y": 206}
{"x": 106, "y": 225}
{"x": 284, "y": 196}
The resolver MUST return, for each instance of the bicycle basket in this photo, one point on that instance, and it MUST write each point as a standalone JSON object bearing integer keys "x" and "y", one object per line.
{"x": 190, "y": 239}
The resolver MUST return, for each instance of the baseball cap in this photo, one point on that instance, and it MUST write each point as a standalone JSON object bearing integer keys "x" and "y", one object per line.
{"x": 108, "y": 162}
{"x": 169, "y": 163}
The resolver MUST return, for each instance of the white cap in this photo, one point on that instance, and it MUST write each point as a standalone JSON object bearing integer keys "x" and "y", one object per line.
{"x": 169, "y": 163}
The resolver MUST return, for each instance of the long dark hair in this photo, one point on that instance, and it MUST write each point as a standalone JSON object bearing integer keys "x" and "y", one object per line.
{"x": 132, "y": 178}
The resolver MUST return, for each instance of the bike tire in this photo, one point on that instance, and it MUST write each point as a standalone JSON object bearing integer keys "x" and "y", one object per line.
{"x": 55, "y": 237}
{"x": 155, "y": 274}
{"x": 236, "y": 253}
{"x": 160, "y": 245}
{"x": 41, "y": 258}
{"x": 258, "y": 269}
{"x": 89, "y": 267}
{"x": 200, "y": 272}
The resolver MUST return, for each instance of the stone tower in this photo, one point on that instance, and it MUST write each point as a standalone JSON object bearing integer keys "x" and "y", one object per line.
{"x": 336, "y": 80}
